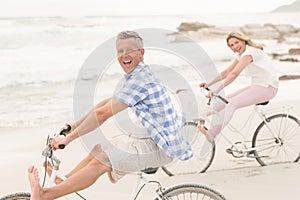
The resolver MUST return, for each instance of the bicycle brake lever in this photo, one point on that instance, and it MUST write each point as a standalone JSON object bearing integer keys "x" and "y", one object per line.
{"x": 47, "y": 151}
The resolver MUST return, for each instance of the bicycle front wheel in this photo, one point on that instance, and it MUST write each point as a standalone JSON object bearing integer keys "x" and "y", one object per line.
{"x": 277, "y": 140}
{"x": 17, "y": 196}
{"x": 203, "y": 153}
{"x": 191, "y": 192}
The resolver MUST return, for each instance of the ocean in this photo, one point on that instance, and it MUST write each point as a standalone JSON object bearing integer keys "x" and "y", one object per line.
{"x": 41, "y": 57}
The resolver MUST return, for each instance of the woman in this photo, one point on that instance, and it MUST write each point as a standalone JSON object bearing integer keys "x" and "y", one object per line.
{"x": 257, "y": 66}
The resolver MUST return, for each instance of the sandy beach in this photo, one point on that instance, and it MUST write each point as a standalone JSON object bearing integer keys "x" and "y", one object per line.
{"x": 237, "y": 179}
{"x": 37, "y": 94}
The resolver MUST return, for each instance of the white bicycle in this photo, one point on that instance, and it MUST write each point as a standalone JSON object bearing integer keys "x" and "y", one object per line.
{"x": 275, "y": 140}
{"x": 179, "y": 192}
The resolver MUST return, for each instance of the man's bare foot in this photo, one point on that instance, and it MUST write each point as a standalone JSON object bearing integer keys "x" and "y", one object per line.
{"x": 49, "y": 169}
{"x": 204, "y": 131}
{"x": 34, "y": 179}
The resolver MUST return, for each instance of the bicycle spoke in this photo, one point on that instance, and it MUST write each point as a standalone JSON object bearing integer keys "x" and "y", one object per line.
{"x": 287, "y": 144}
{"x": 192, "y": 192}
{"x": 203, "y": 153}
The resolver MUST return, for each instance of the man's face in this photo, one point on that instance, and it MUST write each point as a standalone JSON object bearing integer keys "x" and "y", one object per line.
{"x": 129, "y": 55}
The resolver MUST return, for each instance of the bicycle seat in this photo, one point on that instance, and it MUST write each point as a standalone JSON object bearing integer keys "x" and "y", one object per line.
{"x": 151, "y": 170}
{"x": 262, "y": 104}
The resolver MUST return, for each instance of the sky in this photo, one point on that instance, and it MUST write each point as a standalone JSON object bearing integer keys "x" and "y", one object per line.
{"x": 21, "y": 8}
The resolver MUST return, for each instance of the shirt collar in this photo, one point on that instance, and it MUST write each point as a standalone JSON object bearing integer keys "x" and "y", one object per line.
{"x": 136, "y": 70}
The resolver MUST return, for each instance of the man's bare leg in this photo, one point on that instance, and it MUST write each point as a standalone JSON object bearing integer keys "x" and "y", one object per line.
{"x": 58, "y": 180}
{"x": 82, "y": 179}
{"x": 96, "y": 150}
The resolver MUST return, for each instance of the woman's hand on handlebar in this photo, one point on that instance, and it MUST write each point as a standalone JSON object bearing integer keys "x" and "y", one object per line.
{"x": 203, "y": 85}
{"x": 210, "y": 94}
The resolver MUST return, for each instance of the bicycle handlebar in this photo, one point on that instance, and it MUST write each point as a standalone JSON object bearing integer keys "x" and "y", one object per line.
{"x": 48, "y": 150}
{"x": 218, "y": 96}
{"x": 63, "y": 132}
{"x": 64, "y": 129}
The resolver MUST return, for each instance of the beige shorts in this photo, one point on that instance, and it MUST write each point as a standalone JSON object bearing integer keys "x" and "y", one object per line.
{"x": 129, "y": 154}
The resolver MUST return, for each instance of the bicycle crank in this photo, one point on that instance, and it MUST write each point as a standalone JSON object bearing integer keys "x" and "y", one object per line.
{"x": 237, "y": 150}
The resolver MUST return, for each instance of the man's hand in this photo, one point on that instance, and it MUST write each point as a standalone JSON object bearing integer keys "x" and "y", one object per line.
{"x": 58, "y": 142}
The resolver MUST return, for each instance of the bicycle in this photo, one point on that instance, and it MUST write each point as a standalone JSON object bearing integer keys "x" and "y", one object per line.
{"x": 275, "y": 140}
{"x": 183, "y": 191}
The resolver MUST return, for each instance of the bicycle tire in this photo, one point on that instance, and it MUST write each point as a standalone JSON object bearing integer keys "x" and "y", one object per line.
{"x": 286, "y": 149}
{"x": 191, "y": 192}
{"x": 203, "y": 154}
{"x": 17, "y": 196}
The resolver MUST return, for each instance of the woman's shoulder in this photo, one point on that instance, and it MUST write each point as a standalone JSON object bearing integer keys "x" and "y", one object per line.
{"x": 254, "y": 52}
{"x": 252, "y": 49}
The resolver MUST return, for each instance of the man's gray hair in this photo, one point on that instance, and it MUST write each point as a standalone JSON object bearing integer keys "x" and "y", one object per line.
{"x": 131, "y": 34}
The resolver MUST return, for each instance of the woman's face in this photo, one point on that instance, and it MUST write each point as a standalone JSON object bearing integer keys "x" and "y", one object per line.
{"x": 236, "y": 45}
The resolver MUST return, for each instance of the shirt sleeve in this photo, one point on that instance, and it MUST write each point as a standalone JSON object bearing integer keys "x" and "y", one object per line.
{"x": 131, "y": 94}
{"x": 249, "y": 52}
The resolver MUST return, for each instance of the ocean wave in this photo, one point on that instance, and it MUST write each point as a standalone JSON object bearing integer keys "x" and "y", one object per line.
{"x": 33, "y": 104}
{"x": 40, "y": 84}
{"x": 36, "y": 121}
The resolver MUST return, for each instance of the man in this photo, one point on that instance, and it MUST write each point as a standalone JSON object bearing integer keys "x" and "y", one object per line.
{"x": 160, "y": 144}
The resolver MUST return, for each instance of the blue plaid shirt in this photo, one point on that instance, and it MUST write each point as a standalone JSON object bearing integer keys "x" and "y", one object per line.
{"x": 153, "y": 106}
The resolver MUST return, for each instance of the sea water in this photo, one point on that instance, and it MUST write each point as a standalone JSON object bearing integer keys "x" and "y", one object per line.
{"x": 41, "y": 57}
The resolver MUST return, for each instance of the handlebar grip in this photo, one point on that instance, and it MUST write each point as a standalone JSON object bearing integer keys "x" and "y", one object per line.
{"x": 65, "y": 129}
{"x": 224, "y": 100}
{"x": 61, "y": 146}
{"x": 206, "y": 88}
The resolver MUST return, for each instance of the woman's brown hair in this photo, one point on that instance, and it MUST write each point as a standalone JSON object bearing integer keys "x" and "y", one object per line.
{"x": 247, "y": 39}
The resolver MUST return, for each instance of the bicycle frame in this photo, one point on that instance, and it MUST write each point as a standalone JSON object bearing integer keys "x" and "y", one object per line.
{"x": 262, "y": 115}
{"x": 156, "y": 191}
{"x": 270, "y": 137}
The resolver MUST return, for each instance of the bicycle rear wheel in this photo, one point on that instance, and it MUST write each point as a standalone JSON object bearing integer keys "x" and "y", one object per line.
{"x": 283, "y": 148}
{"x": 17, "y": 196}
{"x": 192, "y": 192}
{"x": 203, "y": 151}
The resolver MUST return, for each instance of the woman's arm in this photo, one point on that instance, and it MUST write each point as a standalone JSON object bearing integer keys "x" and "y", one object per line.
{"x": 224, "y": 73}
{"x": 235, "y": 71}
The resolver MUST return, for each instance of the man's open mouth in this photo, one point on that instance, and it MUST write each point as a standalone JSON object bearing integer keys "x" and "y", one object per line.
{"x": 127, "y": 63}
